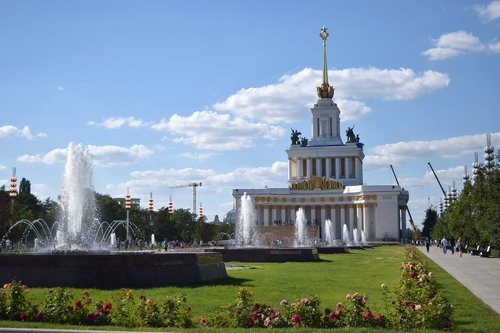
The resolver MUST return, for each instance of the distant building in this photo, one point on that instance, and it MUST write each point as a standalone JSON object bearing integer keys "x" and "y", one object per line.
{"x": 230, "y": 217}
{"x": 325, "y": 178}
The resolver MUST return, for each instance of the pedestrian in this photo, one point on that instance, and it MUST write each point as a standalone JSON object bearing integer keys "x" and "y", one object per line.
{"x": 125, "y": 244}
{"x": 460, "y": 245}
{"x": 444, "y": 244}
{"x": 427, "y": 245}
{"x": 452, "y": 246}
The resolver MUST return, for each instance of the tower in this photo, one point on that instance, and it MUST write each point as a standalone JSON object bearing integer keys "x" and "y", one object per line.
{"x": 325, "y": 154}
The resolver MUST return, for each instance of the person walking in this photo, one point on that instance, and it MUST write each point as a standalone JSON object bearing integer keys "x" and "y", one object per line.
{"x": 444, "y": 244}
{"x": 427, "y": 244}
{"x": 460, "y": 245}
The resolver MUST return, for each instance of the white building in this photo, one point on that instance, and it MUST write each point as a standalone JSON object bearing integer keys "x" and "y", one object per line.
{"x": 325, "y": 177}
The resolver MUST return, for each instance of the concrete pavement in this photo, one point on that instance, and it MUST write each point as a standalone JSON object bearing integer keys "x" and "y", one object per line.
{"x": 480, "y": 275}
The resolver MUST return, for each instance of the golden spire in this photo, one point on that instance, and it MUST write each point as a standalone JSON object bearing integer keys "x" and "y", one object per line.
{"x": 325, "y": 90}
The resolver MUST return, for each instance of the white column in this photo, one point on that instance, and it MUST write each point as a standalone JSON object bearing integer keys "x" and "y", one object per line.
{"x": 351, "y": 222}
{"x": 323, "y": 214}
{"x": 333, "y": 218}
{"x": 358, "y": 170}
{"x": 328, "y": 166}
{"x": 283, "y": 214}
{"x": 318, "y": 167}
{"x": 359, "y": 217}
{"x": 313, "y": 214}
{"x": 342, "y": 220}
{"x": 366, "y": 220}
{"x": 299, "y": 168}
{"x": 337, "y": 168}
{"x": 290, "y": 174}
{"x": 293, "y": 212}
{"x": 347, "y": 167}
{"x": 273, "y": 215}
{"x": 309, "y": 167}
{"x": 266, "y": 215}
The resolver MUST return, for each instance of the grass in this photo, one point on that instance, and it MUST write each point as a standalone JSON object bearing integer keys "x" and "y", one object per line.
{"x": 331, "y": 279}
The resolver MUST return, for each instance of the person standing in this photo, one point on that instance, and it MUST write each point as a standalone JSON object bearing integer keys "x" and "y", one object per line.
{"x": 444, "y": 244}
{"x": 427, "y": 244}
{"x": 460, "y": 245}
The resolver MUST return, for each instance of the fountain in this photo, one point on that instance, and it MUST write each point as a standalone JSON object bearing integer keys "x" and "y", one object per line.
{"x": 250, "y": 245}
{"x": 246, "y": 223}
{"x": 301, "y": 237}
{"x": 74, "y": 252}
{"x": 345, "y": 235}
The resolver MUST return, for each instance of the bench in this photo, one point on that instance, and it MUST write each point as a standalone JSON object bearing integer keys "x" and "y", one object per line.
{"x": 487, "y": 253}
{"x": 476, "y": 252}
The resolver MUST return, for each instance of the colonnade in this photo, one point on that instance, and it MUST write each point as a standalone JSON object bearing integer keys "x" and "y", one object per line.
{"x": 336, "y": 167}
{"x": 359, "y": 215}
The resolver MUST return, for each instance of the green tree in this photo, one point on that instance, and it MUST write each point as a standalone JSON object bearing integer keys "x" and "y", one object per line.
{"x": 429, "y": 221}
{"x": 25, "y": 186}
{"x": 184, "y": 224}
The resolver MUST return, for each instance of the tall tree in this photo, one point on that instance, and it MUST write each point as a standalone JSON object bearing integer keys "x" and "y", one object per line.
{"x": 429, "y": 221}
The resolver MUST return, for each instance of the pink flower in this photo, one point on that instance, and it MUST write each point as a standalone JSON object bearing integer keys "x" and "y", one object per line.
{"x": 365, "y": 298}
{"x": 430, "y": 274}
{"x": 222, "y": 324}
{"x": 379, "y": 318}
{"x": 295, "y": 319}
{"x": 267, "y": 322}
{"x": 368, "y": 314}
{"x": 339, "y": 304}
{"x": 355, "y": 295}
{"x": 412, "y": 305}
{"x": 418, "y": 307}
{"x": 86, "y": 294}
{"x": 283, "y": 302}
{"x": 347, "y": 296}
{"x": 78, "y": 304}
{"x": 304, "y": 301}
{"x": 332, "y": 315}
{"x": 412, "y": 274}
{"x": 203, "y": 321}
{"x": 24, "y": 317}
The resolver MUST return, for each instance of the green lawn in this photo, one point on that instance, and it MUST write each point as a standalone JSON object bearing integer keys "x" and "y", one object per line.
{"x": 331, "y": 279}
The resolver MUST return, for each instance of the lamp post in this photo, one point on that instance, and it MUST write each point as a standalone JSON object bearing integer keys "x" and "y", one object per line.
{"x": 13, "y": 185}
{"x": 151, "y": 208}
{"x": 128, "y": 205}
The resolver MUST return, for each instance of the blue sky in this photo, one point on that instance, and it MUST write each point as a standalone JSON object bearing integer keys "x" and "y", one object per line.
{"x": 167, "y": 93}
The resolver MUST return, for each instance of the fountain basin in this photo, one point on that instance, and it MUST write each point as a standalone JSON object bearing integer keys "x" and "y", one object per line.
{"x": 258, "y": 254}
{"x": 111, "y": 270}
{"x": 332, "y": 249}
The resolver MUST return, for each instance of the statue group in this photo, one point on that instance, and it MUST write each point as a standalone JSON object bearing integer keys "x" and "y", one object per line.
{"x": 351, "y": 137}
{"x": 297, "y": 140}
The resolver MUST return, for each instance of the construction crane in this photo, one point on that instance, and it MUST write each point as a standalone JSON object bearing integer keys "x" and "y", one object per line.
{"x": 194, "y": 186}
{"x": 442, "y": 189}
{"x": 407, "y": 209}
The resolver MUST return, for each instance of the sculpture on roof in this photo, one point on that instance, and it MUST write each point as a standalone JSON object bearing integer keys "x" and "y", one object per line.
{"x": 351, "y": 137}
{"x": 295, "y": 137}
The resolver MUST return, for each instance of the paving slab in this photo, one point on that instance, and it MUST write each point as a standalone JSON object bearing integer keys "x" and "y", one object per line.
{"x": 480, "y": 275}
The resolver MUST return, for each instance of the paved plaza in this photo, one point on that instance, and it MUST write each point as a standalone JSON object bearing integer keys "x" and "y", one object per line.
{"x": 480, "y": 275}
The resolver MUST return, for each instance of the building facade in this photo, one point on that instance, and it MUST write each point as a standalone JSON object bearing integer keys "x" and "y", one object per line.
{"x": 325, "y": 178}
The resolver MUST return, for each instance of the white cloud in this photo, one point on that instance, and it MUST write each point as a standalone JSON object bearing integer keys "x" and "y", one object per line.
{"x": 446, "y": 176}
{"x": 60, "y": 88}
{"x": 54, "y": 156}
{"x": 102, "y": 155}
{"x": 494, "y": 47}
{"x": 197, "y": 156}
{"x": 10, "y": 130}
{"x": 396, "y": 153}
{"x": 453, "y": 44}
{"x": 217, "y": 131}
{"x": 3, "y": 167}
{"x": 490, "y": 11}
{"x": 117, "y": 122}
{"x": 161, "y": 181}
{"x": 288, "y": 100}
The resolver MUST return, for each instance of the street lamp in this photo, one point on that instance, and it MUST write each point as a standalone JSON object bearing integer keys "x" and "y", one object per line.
{"x": 128, "y": 205}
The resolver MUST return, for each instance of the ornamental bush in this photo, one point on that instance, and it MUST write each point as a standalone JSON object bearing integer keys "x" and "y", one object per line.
{"x": 415, "y": 303}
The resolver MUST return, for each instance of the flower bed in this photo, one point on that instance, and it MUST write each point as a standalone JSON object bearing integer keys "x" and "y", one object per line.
{"x": 415, "y": 302}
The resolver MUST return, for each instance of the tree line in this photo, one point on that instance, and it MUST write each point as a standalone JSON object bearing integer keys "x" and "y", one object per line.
{"x": 180, "y": 225}
{"x": 475, "y": 215}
